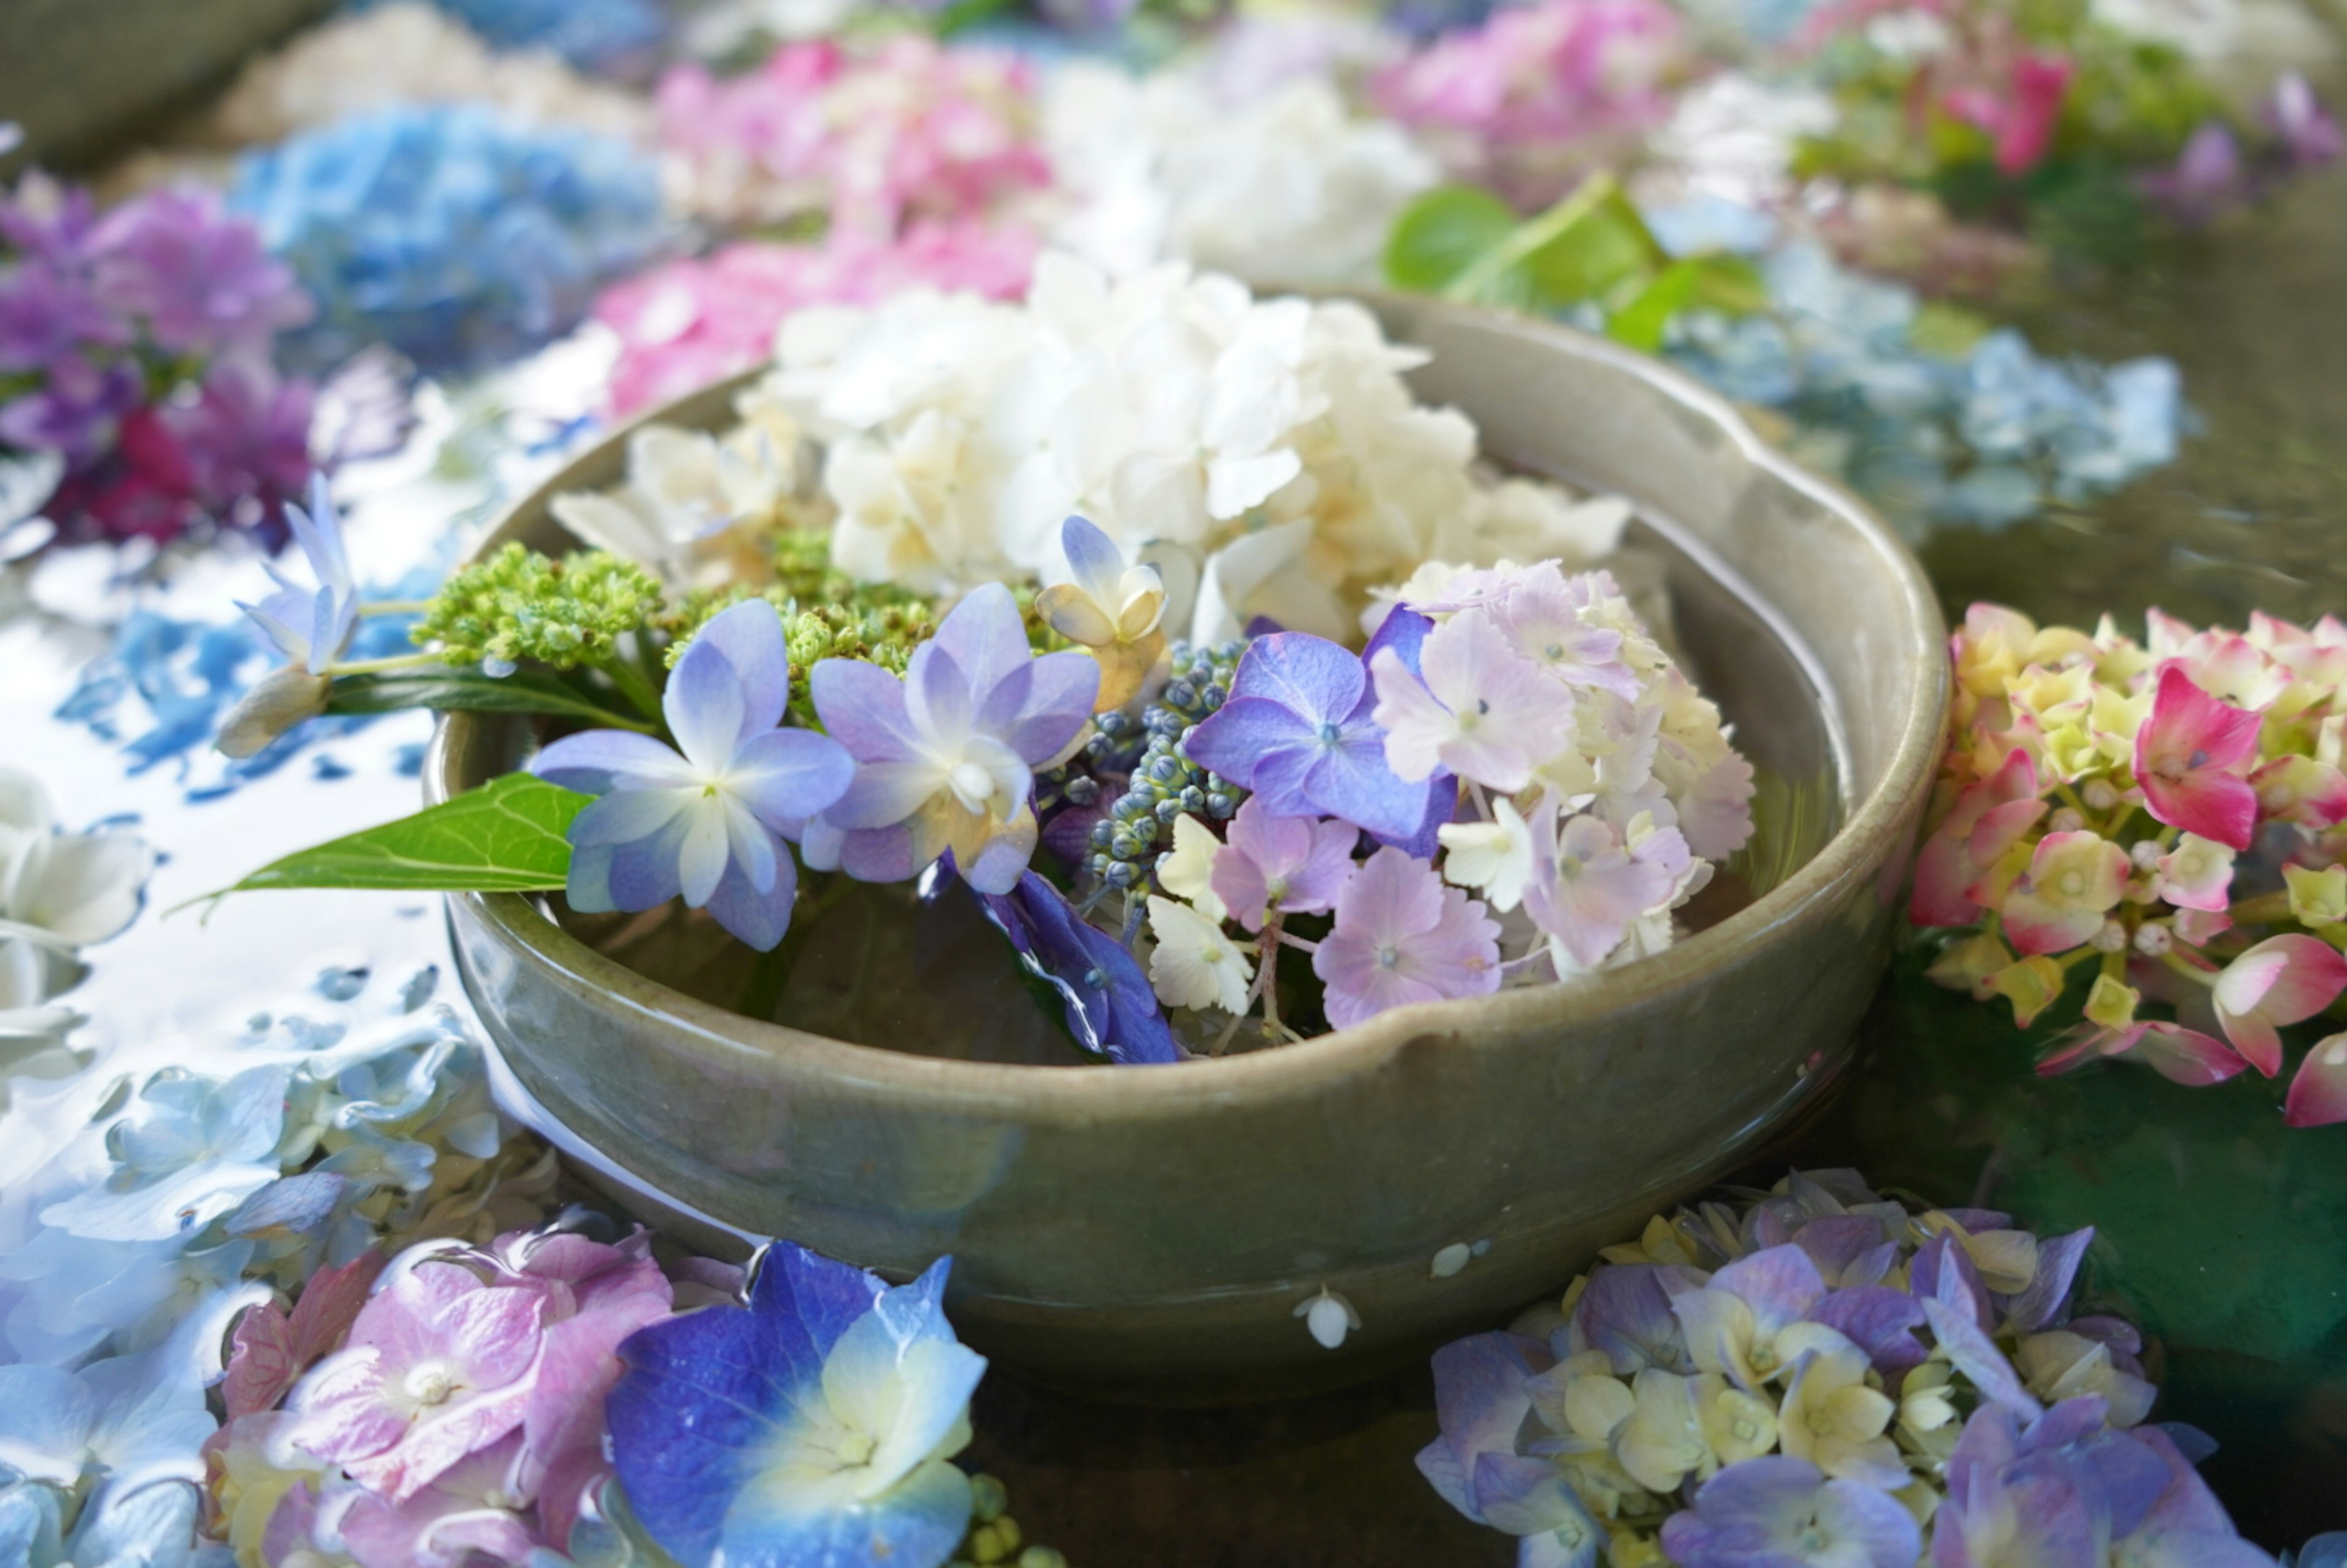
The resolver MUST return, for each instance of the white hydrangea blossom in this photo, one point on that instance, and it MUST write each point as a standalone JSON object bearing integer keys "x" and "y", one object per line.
{"x": 1288, "y": 186}
{"x": 689, "y": 496}
{"x": 1266, "y": 455}
{"x": 59, "y": 892}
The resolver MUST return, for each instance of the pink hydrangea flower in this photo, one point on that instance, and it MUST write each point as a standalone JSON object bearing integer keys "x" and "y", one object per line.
{"x": 438, "y": 1367}
{"x": 2196, "y": 875}
{"x": 1400, "y": 935}
{"x": 2059, "y": 902}
{"x": 1476, "y": 709}
{"x": 1292, "y": 864}
{"x": 2318, "y": 1094}
{"x": 270, "y": 1350}
{"x": 1989, "y": 818}
{"x": 1588, "y": 888}
{"x": 2178, "y": 1054}
{"x": 475, "y": 1510}
{"x": 2281, "y": 980}
{"x": 691, "y": 323}
{"x": 2189, "y": 757}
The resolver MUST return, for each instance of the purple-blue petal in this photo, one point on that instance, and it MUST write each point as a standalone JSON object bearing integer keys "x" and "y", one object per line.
{"x": 1236, "y": 738}
{"x": 1880, "y": 1321}
{"x": 1975, "y": 1355}
{"x": 589, "y": 761}
{"x": 1039, "y": 711}
{"x": 2046, "y": 1300}
{"x": 705, "y": 705}
{"x": 648, "y": 872}
{"x": 749, "y": 636}
{"x": 789, "y": 775}
{"x": 985, "y": 636}
{"x": 1092, "y": 556}
{"x": 1441, "y": 808}
{"x": 1479, "y": 1395}
{"x": 1111, "y": 1006}
{"x": 1404, "y": 631}
{"x": 759, "y": 919}
{"x": 1625, "y": 1312}
{"x": 1317, "y": 680}
{"x": 863, "y": 708}
{"x": 1351, "y": 781}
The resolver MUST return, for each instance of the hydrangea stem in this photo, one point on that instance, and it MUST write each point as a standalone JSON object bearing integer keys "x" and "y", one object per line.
{"x": 633, "y": 684}
{"x": 384, "y": 666}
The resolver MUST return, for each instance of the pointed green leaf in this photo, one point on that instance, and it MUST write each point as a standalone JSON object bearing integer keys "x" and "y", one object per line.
{"x": 454, "y": 691}
{"x": 1441, "y": 234}
{"x": 505, "y": 837}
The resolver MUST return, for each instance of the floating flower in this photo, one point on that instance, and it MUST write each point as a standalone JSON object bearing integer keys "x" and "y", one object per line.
{"x": 310, "y": 627}
{"x": 944, "y": 757}
{"x": 1109, "y": 607}
{"x": 2059, "y": 901}
{"x": 708, "y": 819}
{"x": 1298, "y": 730}
{"x": 2189, "y": 756}
{"x": 2281, "y": 980}
{"x": 1474, "y": 708}
{"x": 1110, "y": 1006}
{"x": 2318, "y": 1094}
{"x": 1195, "y": 963}
{"x": 1401, "y": 937}
{"x": 1588, "y": 888}
{"x": 1283, "y": 864}
{"x": 134, "y": 1420}
{"x": 815, "y": 1425}
{"x": 1782, "y": 1509}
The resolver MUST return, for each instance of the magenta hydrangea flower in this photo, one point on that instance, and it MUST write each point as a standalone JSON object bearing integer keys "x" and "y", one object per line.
{"x": 708, "y": 817}
{"x": 2282, "y": 981}
{"x": 1295, "y": 864}
{"x": 2189, "y": 756}
{"x": 1401, "y": 937}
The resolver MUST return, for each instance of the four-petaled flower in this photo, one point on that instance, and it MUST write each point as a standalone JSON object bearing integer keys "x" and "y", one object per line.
{"x": 1475, "y": 707}
{"x": 1298, "y": 731}
{"x": 1109, "y": 607}
{"x": 1588, "y": 888}
{"x": 1779, "y": 1509}
{"x": 816, "y": 1425}
{"x": 708, "y": 818}
{"x": 1400, "y": 935}
{"x": 946, "y": 758}
{"x": 310, "y": 626}
{"x": 2189, "y": 757}
{"x": 1288, "y": 864}
{"x": 2059, "y": 903}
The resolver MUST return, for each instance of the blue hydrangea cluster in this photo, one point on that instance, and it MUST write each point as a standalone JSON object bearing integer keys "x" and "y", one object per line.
{"x": 1986, "y": 436}
{"x": 459, "y": 237}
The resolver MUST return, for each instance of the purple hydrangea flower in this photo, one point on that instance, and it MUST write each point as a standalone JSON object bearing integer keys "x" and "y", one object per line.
{"x": 198, "y": 279}
{"x": 1776, "y": 1511}
{"x": 1291, "y": 864}
{"x": 946, "y": 758}
{"x": 1297, "y": 732}
{"x": 2310, "y": 135}
{"x": 1401, "y": 937}
{"x": 1111, "y": 1007}
{"x": 1480, "y": 1401}
{"x": 1588, "y": 887}
{"x": 816, "y": 1426}
{"x": 708, "y": 818}
{"x": 1475, "y": 707}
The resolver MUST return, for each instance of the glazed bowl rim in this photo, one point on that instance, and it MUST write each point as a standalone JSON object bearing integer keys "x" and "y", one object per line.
{"x": 1034, "y": 1090}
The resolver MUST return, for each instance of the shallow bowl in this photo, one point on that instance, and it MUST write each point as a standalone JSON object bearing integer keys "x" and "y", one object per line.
{"x": 1152, "y": 1233}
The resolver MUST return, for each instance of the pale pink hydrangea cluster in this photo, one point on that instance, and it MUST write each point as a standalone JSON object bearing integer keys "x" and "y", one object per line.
{"x": 447, "y": 1409}
{"x": 2165, "y": 817}
{"x": 1541, "y": 96}
{"x": 874, "y": 139}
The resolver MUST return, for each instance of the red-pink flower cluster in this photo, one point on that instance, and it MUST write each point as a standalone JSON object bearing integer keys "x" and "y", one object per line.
{"x": 2166, "y": 817}
{"x": 446, "y": 1409}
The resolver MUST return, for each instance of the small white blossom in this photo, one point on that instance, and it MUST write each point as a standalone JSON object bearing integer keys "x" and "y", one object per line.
{"x": 1195, "y": 964}
{"x": 1330, "y": 1316}
{"x": 1495, "y": 856}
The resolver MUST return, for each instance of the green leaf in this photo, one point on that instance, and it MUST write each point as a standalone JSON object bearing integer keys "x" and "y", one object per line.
{"x": 1441, "y": 234}
{"x": 1641, "y": 323}
{"x": 452, "y": 690}
{"x": 504, "y": 837}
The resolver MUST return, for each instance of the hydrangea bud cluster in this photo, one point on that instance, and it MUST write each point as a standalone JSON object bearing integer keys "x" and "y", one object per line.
{"x": 1820, "y": 1373}
{"x": 2151, "y": 832}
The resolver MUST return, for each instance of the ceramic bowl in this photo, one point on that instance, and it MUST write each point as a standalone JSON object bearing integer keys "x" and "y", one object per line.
{"x": 1152, "y": 1233}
